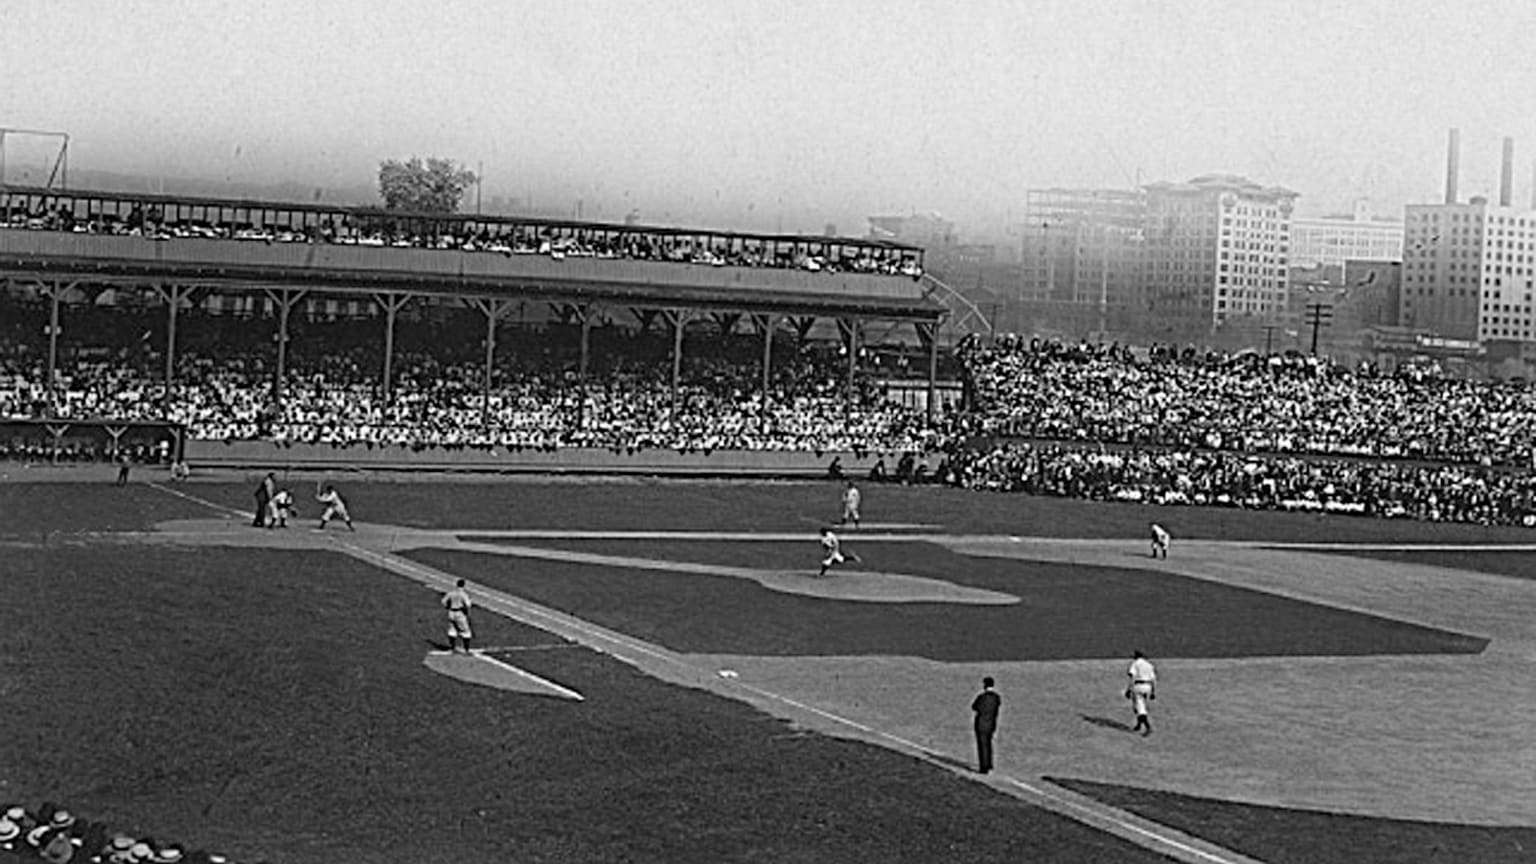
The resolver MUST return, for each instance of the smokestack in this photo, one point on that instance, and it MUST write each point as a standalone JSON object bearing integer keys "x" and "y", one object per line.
{"x": 1507, "y": 174}
{"x": 1452, "y": 165}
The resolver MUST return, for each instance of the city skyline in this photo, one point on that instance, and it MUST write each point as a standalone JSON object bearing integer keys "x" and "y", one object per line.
{"x": 784, "y": 117}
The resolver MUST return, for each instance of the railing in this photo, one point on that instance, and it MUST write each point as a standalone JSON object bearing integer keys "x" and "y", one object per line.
{"x": 336, "y": 262}
{"x": 207, "y": 219}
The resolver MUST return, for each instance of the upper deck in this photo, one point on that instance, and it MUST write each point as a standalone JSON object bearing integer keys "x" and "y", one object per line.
{"x": 245, "y": 244}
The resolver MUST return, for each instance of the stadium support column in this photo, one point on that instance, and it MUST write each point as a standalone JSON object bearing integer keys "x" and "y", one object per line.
{"x": 285, "y": 300}
{"x": 174, "y": 296}
{"x": 928, "y": 337}
{"x": 766, "y": 323}
{"x": 391, "y": 302}
{"x": 586, "y": 312}
{"x": 55, "y": 291}
{"x": 493, "y": 309}
{"x": 678, "y": 318}
{"x": 849, "y": 328}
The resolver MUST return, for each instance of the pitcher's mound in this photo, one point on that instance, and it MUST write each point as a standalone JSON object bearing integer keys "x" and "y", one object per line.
{"x": 487, "y": 671}
{"x": 868, "y": 586}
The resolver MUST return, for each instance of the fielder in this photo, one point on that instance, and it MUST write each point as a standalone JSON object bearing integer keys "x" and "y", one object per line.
{"x": 1160, "y": 540}
{"x": 831, "y": 551}
{"x": 851, "y": 499}
{"x": 458, "y": 606}
{"x": 335, "y": 508}
{"x": 1142, "y": 689}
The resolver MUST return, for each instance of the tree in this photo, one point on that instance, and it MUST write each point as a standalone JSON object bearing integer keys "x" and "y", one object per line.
{"x": 433, "y": 186}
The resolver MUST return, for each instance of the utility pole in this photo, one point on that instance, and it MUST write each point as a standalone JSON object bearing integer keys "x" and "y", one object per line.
{"x": 1269, "y": 339}
{"x": 1318, "y": 314}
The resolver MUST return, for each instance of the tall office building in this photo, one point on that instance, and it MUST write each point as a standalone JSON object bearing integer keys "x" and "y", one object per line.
{"x": 1216, "y": 250}
{"x": 1469, "y": 269}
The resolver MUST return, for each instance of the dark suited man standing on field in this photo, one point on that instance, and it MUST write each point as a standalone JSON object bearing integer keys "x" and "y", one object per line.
{"x": 986, "y": 705}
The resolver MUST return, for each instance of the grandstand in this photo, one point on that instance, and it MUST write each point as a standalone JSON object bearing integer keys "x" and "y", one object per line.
{"x": 296, "y": 266}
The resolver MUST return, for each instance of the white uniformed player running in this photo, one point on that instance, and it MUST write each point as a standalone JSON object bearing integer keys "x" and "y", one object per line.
{"x": 851, "y": 499}
{"x": 1142, "y": 689}
{"x": 1160, "y": 540}
{"x": 831, "y": 551}
{"x": 335, "y": 508}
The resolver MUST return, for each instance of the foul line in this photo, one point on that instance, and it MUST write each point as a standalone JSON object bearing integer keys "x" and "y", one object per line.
{"x": 195, "y": 499}
{"x": 542, "y": 682}
{"x": 1098, "y": 813}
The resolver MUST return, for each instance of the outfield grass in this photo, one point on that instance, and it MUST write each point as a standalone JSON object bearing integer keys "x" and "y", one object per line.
{"x": 273, "y": 705}
{"x": 1287, "y": 836}
{"x": 1067, "y": 611}
{"x": 801, "y": 506}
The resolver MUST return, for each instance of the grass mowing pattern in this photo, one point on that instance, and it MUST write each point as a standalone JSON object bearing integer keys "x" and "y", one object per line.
{"x": 1280, "y": 835}
{"x": 273, "y": 705}
{"x": 1068, "y": 611}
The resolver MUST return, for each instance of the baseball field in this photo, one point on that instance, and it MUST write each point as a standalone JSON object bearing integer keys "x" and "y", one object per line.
{"x": 660, "y": 677}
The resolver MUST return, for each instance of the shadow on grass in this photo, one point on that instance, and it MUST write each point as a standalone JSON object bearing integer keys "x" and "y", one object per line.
{"x": 1106, "y": 723}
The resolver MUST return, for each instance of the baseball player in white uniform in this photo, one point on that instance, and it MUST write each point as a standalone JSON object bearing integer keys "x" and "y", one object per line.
{"x": 458, "y": 606}
{"x": 279, "y": 509}
{"x": 1160, "y": 540}
{"x": 335, "y": 508}
{"x": 1142, "y": 689}
{"x": 831, "y": 551}
{"x": 851, "y": 499}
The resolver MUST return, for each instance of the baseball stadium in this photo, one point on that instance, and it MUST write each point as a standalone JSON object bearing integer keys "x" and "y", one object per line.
{"x": 625, "y": 441}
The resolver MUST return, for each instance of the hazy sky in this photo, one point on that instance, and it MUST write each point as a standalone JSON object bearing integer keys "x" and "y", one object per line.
{"x": 757, "y": 114}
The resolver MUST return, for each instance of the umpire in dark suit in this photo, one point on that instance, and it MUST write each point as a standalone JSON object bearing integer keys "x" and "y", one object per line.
{"x": 264, "y": 492}
{"x": 985, "y": 706}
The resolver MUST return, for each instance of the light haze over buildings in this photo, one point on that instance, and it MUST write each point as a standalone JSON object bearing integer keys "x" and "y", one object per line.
{"x": 786, "y": 115}
{"x": 1330, "y": 241}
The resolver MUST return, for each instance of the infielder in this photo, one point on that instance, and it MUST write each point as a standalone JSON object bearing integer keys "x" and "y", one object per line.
{"x": 1142, "y": 689}
{"x": 335, "y": 508}
{"x": 458, "y": 606}
{"x": 851, "y": 499}
{"x": 831, "y": 551}
{"x": 1160, "y": 540}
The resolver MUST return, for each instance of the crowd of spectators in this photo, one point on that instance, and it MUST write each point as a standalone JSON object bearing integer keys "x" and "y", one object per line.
{"x": 1379, "y": 488}
{"x": 537, "y": 399}
{"x": 1246, "y": 403}
{"x": 54, "y": 834}
{"x": 1154, "y": 425}
{"x": 557, "y": 241}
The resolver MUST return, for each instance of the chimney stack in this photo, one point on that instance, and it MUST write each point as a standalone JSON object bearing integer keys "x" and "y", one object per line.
{"x": 1507, "y": 174}
{"x": 1452, "y": 165}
